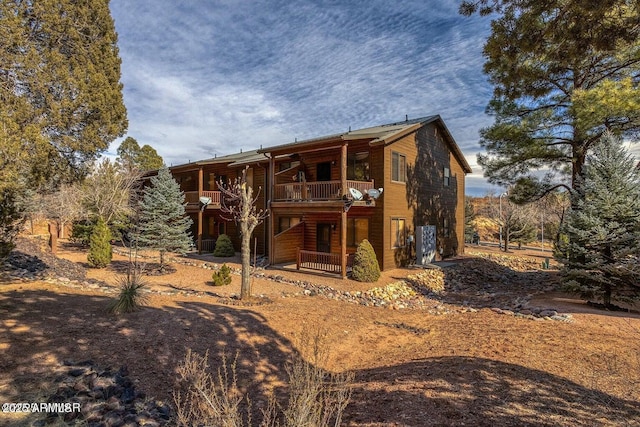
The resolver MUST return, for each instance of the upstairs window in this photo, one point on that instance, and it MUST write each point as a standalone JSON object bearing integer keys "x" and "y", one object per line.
{"x": 358, "y": 166}
{"x": 447, "y": 177}
{"x": 398, "y": 167}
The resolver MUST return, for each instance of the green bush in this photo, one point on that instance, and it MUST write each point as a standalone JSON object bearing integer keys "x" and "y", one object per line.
{"x": 365, "y": 263}
{"x": 100, "y": 246}
{"x": 222, "y": 277}
{"x": 224, "y": 247}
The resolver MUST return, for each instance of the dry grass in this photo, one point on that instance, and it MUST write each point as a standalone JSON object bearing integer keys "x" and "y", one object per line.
{"x": 317, "y": 398}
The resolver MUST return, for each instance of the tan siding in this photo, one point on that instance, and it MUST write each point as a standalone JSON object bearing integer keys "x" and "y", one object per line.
{"x": 287, "y": 243}
{"x": 423, "y": 199}
{"x": 395, "y": 203}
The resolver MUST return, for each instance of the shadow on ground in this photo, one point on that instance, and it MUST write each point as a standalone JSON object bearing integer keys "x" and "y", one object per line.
{"x": 41, "y": 329}
{"x": 454, "y": 391}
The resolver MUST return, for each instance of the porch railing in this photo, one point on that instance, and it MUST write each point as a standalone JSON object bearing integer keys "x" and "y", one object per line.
{"x": 192, "y": 197}
{"x": 208, "y": 245}
{"x": 316, "y": 190}
{"x": 322, "y": 261}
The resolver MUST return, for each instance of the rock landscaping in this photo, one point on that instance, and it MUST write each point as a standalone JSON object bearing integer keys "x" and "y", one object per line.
{"x": 107, "y": 398}
{"x": 504, "y": 284}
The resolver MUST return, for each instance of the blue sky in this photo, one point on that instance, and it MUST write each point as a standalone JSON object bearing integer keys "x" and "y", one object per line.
{"x": 213, "y": 77}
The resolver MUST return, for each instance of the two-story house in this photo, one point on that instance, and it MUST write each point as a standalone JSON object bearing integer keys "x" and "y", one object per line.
{"x": 326, "y": 194}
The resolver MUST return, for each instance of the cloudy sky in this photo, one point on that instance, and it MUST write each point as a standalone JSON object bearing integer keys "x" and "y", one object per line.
{"x": 213, "y": 77}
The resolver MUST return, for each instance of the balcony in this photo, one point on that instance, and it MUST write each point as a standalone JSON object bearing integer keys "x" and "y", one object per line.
{"x": 193, "y": 199}
{"x": 316, "y": 191}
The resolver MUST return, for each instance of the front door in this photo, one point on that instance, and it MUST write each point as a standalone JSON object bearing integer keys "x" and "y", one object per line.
{"x": 323, "y": 171}
{"x": 323, "y": 238}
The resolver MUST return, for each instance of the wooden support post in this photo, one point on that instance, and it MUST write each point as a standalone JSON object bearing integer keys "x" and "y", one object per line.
{"x": 271, "y": 181}
{"x": 200, "y": 214}
{"x": 200, "y": 231}
{"x": 53, "y": 238}
{"x": 298, "y": 258}
{"x": 343, "y": 243}
{"x": 343, "y": 170}
{"x": 343, "y": 214}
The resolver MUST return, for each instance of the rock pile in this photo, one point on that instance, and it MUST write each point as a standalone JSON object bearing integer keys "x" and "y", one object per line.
{"x": 32, "y": 260}
{"x": 107, "y": 398}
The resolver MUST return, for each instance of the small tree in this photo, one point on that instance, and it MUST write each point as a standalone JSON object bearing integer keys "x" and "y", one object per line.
{"x": 365, "y": 263}
{"x": 222, "y": 277}
{"x": 224, "y": 247}
{"x": 469, "y": 217}
{"x": 162, "y": 224}
{"x": 100, "y": 251}
{"x": 238, "y": 203}
{"x": 10, "y": 222}
{"x": 602, "y": 252}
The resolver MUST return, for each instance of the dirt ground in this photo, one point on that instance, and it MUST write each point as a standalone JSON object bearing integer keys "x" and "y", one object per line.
{"x": 412, "y": 368}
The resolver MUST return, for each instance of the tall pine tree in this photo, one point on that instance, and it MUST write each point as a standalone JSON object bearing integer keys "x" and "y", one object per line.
{"x": 563, "y": 71}
{"x": 163, "y": 225}
{"x": 60, "y": 95}
{"x": 602, "y": 253}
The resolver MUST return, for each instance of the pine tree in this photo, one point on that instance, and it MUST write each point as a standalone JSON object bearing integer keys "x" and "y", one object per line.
{"x": 61, "y": 99}
{"x": 134, "y": 158}
{"x": 163, "y": 225}
{"x": 100, "y": 251}
{"x": 10, "y": 222}
{"x": 563, "y": 72}
{"x": 602, "y": 249}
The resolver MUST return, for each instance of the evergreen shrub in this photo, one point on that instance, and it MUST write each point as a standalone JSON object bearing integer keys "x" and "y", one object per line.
{"x": 365, "y": 263}
{"x": 222, "y": 277}
{"x": 100, "y": 252}
{"x": 224, "y": 247}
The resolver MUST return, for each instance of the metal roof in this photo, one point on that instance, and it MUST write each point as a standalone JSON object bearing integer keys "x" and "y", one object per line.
{"x": 381, "y": 134}
{"x": 377, "y": 134}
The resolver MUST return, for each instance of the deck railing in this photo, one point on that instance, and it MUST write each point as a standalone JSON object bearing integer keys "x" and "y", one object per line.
{"x": 208, "y": 245}
{"x": 322, "y": 261}
{"x": 316, "y": 190}
{"x": 192, "y": 197}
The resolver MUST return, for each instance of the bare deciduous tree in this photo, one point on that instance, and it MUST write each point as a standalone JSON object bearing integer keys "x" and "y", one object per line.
{"x": 239, "y": 205}
{"x": 107, "y": 192}
{"x": 65, "y": 206}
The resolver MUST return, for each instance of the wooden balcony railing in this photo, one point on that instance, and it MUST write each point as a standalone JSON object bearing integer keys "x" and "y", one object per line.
{"x": 317, "y": 190}
{"x": 193, "y": 197}
{"x": 322, "y": 261}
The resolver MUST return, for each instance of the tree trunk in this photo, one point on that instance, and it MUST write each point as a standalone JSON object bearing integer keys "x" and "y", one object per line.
{"x": 245, "y": 256}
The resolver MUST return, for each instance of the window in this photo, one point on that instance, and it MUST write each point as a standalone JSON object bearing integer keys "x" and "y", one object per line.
{"x": 398, "y": 167}
{"x": 286, "y": 222}
{"x": 398, "y": 233}
{"x": 358, "y": 166}
{"x": 211, "y": 182}
{"x": 357, "y": 230}
{"x": 447, "y": 177}
{"x": 445, "y": 227}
